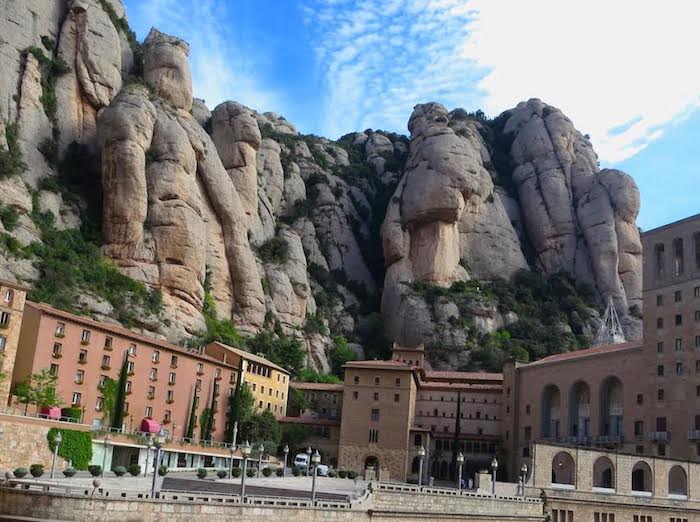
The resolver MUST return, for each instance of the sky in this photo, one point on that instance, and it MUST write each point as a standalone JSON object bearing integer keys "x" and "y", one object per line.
{"x": 623, "y": 71}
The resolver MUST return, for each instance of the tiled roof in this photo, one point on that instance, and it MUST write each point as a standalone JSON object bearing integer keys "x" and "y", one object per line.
{"x": 463, "y": 376}
{"x": 381, "y": 365}
{"x": 309, "y": 421}
{"x": 316, "y": 386}
{"x": 588, "y": 352}
{"x": 457, "y": 386}
{"x": 251, "y": 357}
{"x": 16, "y": 286}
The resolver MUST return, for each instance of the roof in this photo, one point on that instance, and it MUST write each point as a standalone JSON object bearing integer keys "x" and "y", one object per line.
{"x": 460, "y": 386}
{"x": 695, "y": 217}
{"x": 588, "y": 352}
{"x": 316, "y": 386}
{"x": 16, "y": 286}
{"x": 125, "y": 332}
{"x": 379, "y": 365}
{"x": 463, "y": 376}
{"x": 250, "y": 356}
{"x": 309, "y": 421}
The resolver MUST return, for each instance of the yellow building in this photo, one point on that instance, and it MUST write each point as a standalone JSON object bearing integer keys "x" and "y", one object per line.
{"x": 268, "y": 382}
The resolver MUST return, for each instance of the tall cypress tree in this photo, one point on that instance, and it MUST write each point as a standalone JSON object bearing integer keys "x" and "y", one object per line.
{"x": 234, "y": 406}
{"x": 209, "y": 427}
{"x": 192, "y": 420}
{"x": 455, "y": 442}
{"x": 120, "y": 400}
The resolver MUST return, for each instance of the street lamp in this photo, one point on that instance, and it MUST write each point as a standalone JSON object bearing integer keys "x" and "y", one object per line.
{"x": 460, "y": 463}
{"x": 308, "y": 460}
{"x": 494, "y": 468}
{"x": 245, "y": 449}
{"x": 232, "y": 449}
{"x": 316, "y": 459}
{"x": 149, "y": 445}
{"x": 57, "y": 443}
{"x": 156, "y": 463}
{"x": 523, "y": 476}
{"x": 286, "y": 454}
{"x": 107, "y": 442}
{"x": 421, "y": 456}
{"x": 261, "y": 449}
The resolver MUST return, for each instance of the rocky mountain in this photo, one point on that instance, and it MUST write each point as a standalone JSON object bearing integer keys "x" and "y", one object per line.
{"x": 124, "y": 198}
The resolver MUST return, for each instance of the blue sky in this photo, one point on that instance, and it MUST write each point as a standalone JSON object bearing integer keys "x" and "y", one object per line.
{"x": 623, "y": 72}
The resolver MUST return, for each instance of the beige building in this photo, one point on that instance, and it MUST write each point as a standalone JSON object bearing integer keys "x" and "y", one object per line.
{"x": 12, "y": 297}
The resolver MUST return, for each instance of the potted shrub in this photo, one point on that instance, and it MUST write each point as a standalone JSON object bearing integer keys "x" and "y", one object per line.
{"x": 236, "y": 472}
{"x": 342, "y": 473}
{"x": 279, "y": 472}
{"x": 267, "y": 472}
{"x": 69, "y": 472}
{"x": 296, "y": 471}
{"x": 162, "y": 470}
{"x": 202, "y": 473}
{"x": 20, "y": 472}
{"x": 332, "y": 473}
{"x": 37, "y": 470}
{"x": 95, "y": 470}
{"x": 135, "y": 470}
{"x": 119, "y": 471}
{"x": 251, "y": 472}
{"x": 352, "y": 474}
{"x": 222, "y": 473}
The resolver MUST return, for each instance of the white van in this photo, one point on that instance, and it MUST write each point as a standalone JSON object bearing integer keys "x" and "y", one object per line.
{"x": 301, "y": 461}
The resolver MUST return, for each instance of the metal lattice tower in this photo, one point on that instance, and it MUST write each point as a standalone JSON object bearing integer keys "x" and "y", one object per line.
{"x": 610, "y": 331}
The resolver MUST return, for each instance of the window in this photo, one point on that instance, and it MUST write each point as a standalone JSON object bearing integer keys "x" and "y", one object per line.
{"x": 102, "y": 381}
{"x": 679, "y": 319}
{"x": 149, "y": 411}
{"x": 659, "y": 300}
{"x": 639, "y": 449}
{"x": 661, "y": 450}
{"x": 355, "y": 395}
{"x": 4, "y": 319}
{"x": 127, "y": 388}
{"x": 173, "y": 361}
{"x": 659, "y": 257}
{"x": 397, "y": 382}
{"x": 60, "y": 329}
{"x": 155, "y": 357}
{"x": 57, "y": 349}
{"x": 170, "y": 397}
{"x": 660, "y": 370}
{"x": 356, "y": 380}
{"x": 373, "y": 436}
{"x": 640, "y": 398}
{"x": 262, "y": 389}
{"x": 82, "y": 356}
{"x": 132, "y": 349}
{"x": 678, "y": 519}
{"x": 98, "y": 404}
{"x": 697, "y": 390}
{"x": 151, "y": 392}
{"x": 660, "y": 423}
{"x": 85, "y": 337}
{"x": 660, "y": 394}
{"x": 603, "y": 517}
{"x": 679, "y": 368}
{"x": 153, "y": 374}
{"x": 198, "y": 384}
{"x": 232, "y": 378}
{"x": 105, "y": 362}
{"x": 527, "y": 409}
{"x": 638, "y": 428}
{"x": 376, "y": 381}
{"x": 171, "y": 378}
{"x": 527, "y": 433}
{"x": 79, "y": 377}
{"x": 677, "y": 296}
{"x": 75, "y": 399}
{"x": 660, "y": 347}
{"x": 376, "y": 396}
{"x": 130, "y": 367}
{"x": 696, "y": 290}
{"x": 697, "y": 341}
{"x": 3, "y": 342}
{"x": 167, "y": 415}
{"x": 397, "y": 397}
{"x": 374, "y": 416}
{"x": 678, "y": 261}
{"x": 200, "y": 368}
{"x": 54, "y": 370}
{"x": 660, "y": 323}
{"x": 126, "y": 407}
{"x": 253, "y": 386}
{"x": 697, "y": 316}
{"x": 562, "y": 515}
{"x": 9, "y": 296}
{"x": 679, "y": 344}
{"x": 108, "y": 343}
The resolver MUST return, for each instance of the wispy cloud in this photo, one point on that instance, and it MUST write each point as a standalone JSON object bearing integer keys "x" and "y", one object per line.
{"x": 622, "y": 70}
{"x": 220, "y": 69}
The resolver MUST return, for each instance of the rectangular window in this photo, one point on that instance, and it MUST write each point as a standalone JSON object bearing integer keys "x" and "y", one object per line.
{"x": 85, "y": 336}
{"x": 660, "y": 347}
{"x": 660, "y": 394}
{"x": 130, "y": 367}
{"x": 155, "y": 357}
{"x": 98, "y": 404}
{"x": 376, "y": 396}
{"x": 679, "y": 368}
{"x": 57, "y": 349}
{"x": 374, "y": 416}
{"x": 679, "y": 319}
{"x": 660, "y": 322}
{"x": 660, "y": 370}
{"x": 127, "y": 388}
{"x": 638, "y": 428}
{"x": 640, "y": 398}
{"x": 153, "y": 374}
{"x": 149, "y": 411}
{"x": 697, "y": 341}
{"x": 397, "y": 382}
{"x": 60, "y": 329}
{"x": 4, "y": 319}
{"x": 697, "y": 316}
{"x": 3, "y": 342}
{"x": 79, "y": 377}
{"x": 679, "y": 344}
{"x": 167, "y": 415}
{"x": 659, "y": 300}
{"x": 678, "y": 296}
{"x": 198, "y": 384}
{"x": 102, "y": 381}
{"x": 171, "y": 396}
{"x": 105, "y": 362}
{"x": 54, "y": 370}
{"x": 108, "y": 342}
{"x": 661, "y": 450}
{"x": 200, "y": 368}
{"x": 82, "y": 356}
{"x": 171, "y": 377}
{"x": 373, "y": 436}
{"x": 232, "y": 378}
{"x": 75, "y": 400}
{"x": 355, "y": 395}
{"x": 262, "y": 389}
{"x": 132, "y": 349}
{"x": 527, "y": 433}
{"x": 126, "y": 407}
{"x": 173, "y": 361}
{"x": 356, "y": 380}
{"x": 696, "y": 291}
{"x": 151, "y": 392}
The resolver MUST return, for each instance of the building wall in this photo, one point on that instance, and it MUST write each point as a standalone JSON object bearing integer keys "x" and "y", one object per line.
{"x": 11, "y": 307}
{"x": 270, "y": 391}
{"x": 23, "y": 442}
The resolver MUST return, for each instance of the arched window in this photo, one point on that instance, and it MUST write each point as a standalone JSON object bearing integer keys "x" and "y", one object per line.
{"x": 563, "y": 468}
{"x": 550, "y": 411}
{"x": 659, "y": 259}
{"x": 677, "y": 482}
{"x": 603, "y": 473}
{"x": 678, "y": 260}
{"x": 9, "y": 296}
{"x": 611, "y": 407}
{"x": 579, "y": 410}
{"x": 642, "y": 478}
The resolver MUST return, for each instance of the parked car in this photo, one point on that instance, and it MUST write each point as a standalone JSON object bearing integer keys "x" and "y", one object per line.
{"x": 322, "y": 470}
{"x": 301, "y": 461}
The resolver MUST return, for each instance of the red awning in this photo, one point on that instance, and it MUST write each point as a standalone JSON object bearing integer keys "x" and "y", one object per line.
{"x": 150, "y": 426}
{"x": 53, "y": 412}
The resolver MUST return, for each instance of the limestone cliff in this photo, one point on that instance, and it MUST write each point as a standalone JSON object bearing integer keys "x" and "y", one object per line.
{"x": 228, "y": 211}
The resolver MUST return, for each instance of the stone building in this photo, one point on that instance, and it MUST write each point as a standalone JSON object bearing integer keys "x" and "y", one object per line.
{"x": 12, "y": 297}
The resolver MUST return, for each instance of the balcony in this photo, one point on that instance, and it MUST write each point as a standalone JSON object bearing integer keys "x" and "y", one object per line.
{"x": 578, "y": 440}
{"x": 608, "y": 439}
{"x": 694, "y": 435}
{"x": 659, "y": 436}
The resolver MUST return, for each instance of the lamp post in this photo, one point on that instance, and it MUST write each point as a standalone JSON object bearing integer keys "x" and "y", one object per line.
{"x": 421, "y": 456}
{"x": 149, "y": 445}
{"x": 156, "y": 462}
{"x": 315, "y": 460}
{"x": 57, "y": 443}
{"x": 523, "y": 476}
{"x": 261, "y": 449}
{"x": 494, "y": 468}
{"x": 286, "y": 454}
{"x": 460, "y": 463}
{"x": 245, "y": 449}
{"x": 232, "y": 449}
{"x": 107, "y": 443}
{"x": 308, "y": 460}
{"x": 235, "y": 434}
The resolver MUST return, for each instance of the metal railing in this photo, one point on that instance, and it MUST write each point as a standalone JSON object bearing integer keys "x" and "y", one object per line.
{"x": 659, "y": 435}
{"x": 400, "y": 487}
{"x": 693, "y": 434}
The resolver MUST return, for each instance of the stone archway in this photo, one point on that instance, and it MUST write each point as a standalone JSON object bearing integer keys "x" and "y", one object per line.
{"x": 642, "y": 478}
{"x": 677, "y": 482}
{"x": 563, "y": 469}
{"x": 603, "y": 473}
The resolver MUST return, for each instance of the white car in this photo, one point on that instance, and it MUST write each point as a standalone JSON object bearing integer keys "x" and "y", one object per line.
{"x": 322, "y": 470}
{"x": 301, "y": 460}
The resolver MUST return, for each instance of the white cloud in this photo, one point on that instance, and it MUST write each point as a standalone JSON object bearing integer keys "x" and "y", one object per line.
{"x": 220, "y": 69}
{"x": 622, "y": 70}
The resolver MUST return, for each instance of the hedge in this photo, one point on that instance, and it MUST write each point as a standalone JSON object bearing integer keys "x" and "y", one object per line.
{"x": 76, "y": 446}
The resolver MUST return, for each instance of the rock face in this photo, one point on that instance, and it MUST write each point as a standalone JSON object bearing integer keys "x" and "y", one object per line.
{"x": 300, "y": 234}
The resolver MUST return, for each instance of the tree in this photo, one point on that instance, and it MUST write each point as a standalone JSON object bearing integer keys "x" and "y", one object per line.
{"x": 340, "y": 354}
{"x": 309, "y": 375}
{"x": 120, "y": 396}
{"x": 204, "y": 420}
{"x": 234, "y": 407}
{"x": 109, "y": 391}
{"x": 207, "y": 420}
{"x": 262, "y": 428}
{"x": 283, "y": 350}
{"x": 39, "y": 389}
{"x": 295, "y": 434}
{"x": 192, "y": 419}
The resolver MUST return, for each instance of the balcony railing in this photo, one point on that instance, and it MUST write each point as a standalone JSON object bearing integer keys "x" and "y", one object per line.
{"x": 694, "y": 435}
{"x": 578, "y": 440}
{"x": 662, "y": 436}
{"x": 608, "y": 439}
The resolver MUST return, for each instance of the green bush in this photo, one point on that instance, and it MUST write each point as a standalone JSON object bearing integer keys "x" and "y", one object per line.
{"x": 95, "y": 470}
{"x": 222, "y": 473}
{"x": 267, "y": 472}
{"x": 202, "y": 473}
{"x": 20, "y": 472}
{"x": 69, "y": 472}
{"x": 274, "y": 250}
{"x": 296, "y": 471}
{"x": 162, "y": 470}
{"x": 76, "y": 446}
{"x": 36, "y": 470}
{"x": 352, "y": 474}
{"x": 9, "y": 217}
{"x": 342, "y": 473}
{"x": 332, "y": 473}
{"x": 11, "y": 161}
{"x": 236, "y": 472}
{"x": 279, "y": 472}
{"x": 251, "y": 472}
{"x": 119, "y": 471}
{"x": 72, "y": 412}
{"x": 135, "y": 470}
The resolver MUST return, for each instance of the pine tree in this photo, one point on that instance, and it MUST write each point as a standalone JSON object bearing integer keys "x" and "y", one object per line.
{"x": 120, "y": 400}
{"x": 192, "y": 420}
{"x": 209, "y": 426}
